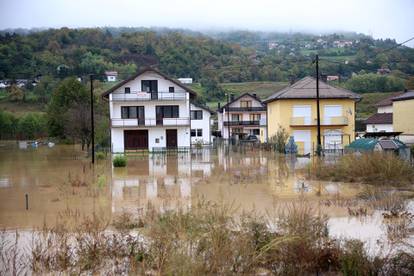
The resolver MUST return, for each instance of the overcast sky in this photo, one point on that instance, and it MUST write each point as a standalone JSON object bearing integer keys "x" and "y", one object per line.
{"x": 379, "y": 18}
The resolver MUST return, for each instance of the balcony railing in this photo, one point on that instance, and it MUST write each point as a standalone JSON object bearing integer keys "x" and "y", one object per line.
{"x": 152, "y": 122}
{"x": 327, "y": 121}
{"x": 242, "y": 123}
{"x": 150, "y": 96}
{"x": 241, "y": 109}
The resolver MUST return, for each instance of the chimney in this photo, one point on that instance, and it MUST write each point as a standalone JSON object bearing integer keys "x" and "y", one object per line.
{"x": 255, "y": 95}
{"x": 218, "y": 105}
{"x": 231, "y": 97}
{"x": 405, "y": 90}
{"x": 324, "y": 77}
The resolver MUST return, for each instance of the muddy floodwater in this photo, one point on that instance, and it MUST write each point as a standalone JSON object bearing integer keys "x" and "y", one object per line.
{"x": 60, "y": 182}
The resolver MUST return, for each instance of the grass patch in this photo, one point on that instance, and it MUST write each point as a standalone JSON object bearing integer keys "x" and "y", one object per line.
{"x": 366, "y": 107}
{"x": 372, "y": 168}
{"x": 206, "y": 240}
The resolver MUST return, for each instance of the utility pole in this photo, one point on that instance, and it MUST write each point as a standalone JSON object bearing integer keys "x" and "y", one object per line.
{"x": 318, "y": 115}
{"x": 92, "y": 121}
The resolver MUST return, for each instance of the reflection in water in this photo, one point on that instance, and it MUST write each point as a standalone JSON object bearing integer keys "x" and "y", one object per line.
{"x": 61, "y": 178}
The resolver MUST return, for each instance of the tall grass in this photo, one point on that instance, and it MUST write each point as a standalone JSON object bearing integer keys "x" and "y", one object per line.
{"x": 206, "y": 240}
{"x": 372, "y": 168}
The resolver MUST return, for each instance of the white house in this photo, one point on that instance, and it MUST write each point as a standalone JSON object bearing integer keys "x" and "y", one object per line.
{"x": 200, "y": 124}
{"x": 150, "y": 111}
{"x": 111, "y": 76}
{"x": 244, "y": 115}
{"x": 186, "y": 80}
{"x": 382, "y": 121}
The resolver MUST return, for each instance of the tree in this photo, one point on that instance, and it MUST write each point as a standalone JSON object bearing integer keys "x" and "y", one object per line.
{"x": 7, "y": 125}
{"x": 15, "y": 93}
{"x": 44, "y": 89}
{"x": 68, "y": 94}
{"x": 280, "y": 139}
{"x": 31, "y": 126}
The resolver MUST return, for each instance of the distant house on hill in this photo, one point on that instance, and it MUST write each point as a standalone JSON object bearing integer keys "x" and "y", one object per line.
{"x": 111, "y": 76}
{"x": 186, "y": 80}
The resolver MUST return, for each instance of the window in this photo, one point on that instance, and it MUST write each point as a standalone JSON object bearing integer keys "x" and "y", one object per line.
{"x": 254, "y": 117}
{"x": 171, "y": 89}
{"x": 127, "y": 90}
{"x": 167, "y": 111}
{"x": 193, "y": 133}
{"x": 149, "y": 85}
{"x": 245, "y": 103}
{"x": 199, "y": 132}
{"x": 255, "y": 131}
{"x": 235, "y": 117}
{"x": 196, "y": 115}
{"x": 132, "y": 112}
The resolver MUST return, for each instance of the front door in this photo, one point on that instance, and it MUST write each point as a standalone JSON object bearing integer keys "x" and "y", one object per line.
{"x": 136, "y": 139}
{"x": 171, "y": 138}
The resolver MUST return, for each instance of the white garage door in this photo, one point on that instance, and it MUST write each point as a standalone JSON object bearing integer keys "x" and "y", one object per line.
{"x": 331, "y": 111}
{"x": 303, "y": 111}
{"x": 303, "y": 137}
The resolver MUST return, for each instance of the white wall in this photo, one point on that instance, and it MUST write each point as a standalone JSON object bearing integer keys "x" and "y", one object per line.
{"x": 203, "y": 124}
{"x": 244, "y": 117}
{"x": 183, "y": 132}
{"x": 384, "y": 109}
{"x": 379, "y": 128}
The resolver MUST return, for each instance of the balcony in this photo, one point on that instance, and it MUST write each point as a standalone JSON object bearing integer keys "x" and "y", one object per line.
{"x": 150, "y": 96}
{"x": 118, "y": 122}
{"x": 242, "y": 123}
{"x": 328, "y": 121}
{"x": 245, "y": 109}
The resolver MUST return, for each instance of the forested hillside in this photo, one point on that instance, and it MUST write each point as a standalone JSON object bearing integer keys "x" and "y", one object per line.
{"x": 224, "y": 57}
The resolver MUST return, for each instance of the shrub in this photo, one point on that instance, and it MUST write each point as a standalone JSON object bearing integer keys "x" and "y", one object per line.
{"x": 280, "y": 139}
{"x": 119, "y": 161}
{"x": 31, "y": 126}
{"x": 100, "y": 155}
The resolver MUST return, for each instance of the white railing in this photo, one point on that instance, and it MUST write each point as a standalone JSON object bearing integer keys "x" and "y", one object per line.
{"x": 150, "y": 96}
{"x": 149, "y": 122}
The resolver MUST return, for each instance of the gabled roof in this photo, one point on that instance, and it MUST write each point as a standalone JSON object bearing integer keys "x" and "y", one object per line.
{"x": 409, "y": 95}
{"x": 206, "y": 108}
{"x": 379, "y": 118}
{"x": 388, "y": 101}
{"x": 306, "y": 89}
{"x": 148, "y": 69}
{"x": 241, "y": 96}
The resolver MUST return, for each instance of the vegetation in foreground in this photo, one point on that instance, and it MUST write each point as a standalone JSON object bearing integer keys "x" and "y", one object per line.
{"x": 208, "y": 239}
{"x": 372, "y": 168}
{"x": 119, "y": 161}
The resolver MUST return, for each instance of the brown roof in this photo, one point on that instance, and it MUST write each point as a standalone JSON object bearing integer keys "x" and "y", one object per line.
{"x": 388, "y": 101}
{"x": 241, "y": 96}
{"x": 404, "y": 96}
{"x": 148, "y": 69}
{"x": 379, "y": 118}
{"x": 306, "y": 89}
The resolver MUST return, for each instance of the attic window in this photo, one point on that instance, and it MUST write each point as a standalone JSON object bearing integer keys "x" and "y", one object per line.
{"x": 171, "y": 89}
{"x": 127, "y": 90}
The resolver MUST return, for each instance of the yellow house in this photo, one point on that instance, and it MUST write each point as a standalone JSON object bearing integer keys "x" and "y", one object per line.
{"x": 403, "y": 116}
{"x": 294, "y": 109}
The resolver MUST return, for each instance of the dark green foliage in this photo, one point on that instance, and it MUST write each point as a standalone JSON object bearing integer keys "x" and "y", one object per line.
{"x": 31, "y": 126}
{"x": 374, "y": 83}
{"x": 68, "y": 94}
{"x": 7, "y": 125}
{"x": 119, "y": 161}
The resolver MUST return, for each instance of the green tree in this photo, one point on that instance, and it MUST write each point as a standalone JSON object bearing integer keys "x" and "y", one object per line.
{"x": 68, "y": 94}
{"x": 7, "y": 125}
{"x": 44, "y": 89}
{"x": 31, "y": 126}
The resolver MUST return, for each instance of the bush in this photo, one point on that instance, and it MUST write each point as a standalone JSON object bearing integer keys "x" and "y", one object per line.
{"x": 31, "y": 126}
{"x": 100, "y": 155}
{"x": 280, "y": 139}
{"x": 7, "y": 125}
{"x": 119, "y": 161}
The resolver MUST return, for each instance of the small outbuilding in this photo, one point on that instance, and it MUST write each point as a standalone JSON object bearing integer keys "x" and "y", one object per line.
{"x": 386, "y": 145}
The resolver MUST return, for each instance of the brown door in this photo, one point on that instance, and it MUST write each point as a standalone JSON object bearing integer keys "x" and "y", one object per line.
{"x": 171, "y": 138}
{"x": 136, "y": 139}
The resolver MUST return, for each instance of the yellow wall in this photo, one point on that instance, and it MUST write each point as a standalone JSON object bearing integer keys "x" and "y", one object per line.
{"x": 403, "y": 117}
{"x": 280, "y": 113}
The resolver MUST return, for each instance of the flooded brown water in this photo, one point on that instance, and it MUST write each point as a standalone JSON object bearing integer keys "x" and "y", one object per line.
{"x": 61, "y": 183}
